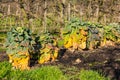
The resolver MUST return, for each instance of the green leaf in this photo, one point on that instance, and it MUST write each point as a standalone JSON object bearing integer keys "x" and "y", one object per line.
{"x": 60, "y": 43}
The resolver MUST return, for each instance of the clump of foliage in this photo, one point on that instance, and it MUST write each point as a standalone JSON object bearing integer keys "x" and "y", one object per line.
{"x": 78, "y": 34}
{"x": 73, "y": 36}
{"x": 85, "y": 35}
{"x": 110, "y": 34}
{"x": 116, "y": 31}
{"x": 94, "y": 36}
{"x": 91, "y": 75}
{"x": 19, "y": 41}
{"x": 5, "y": 69}
{"x": 48, "y": 50}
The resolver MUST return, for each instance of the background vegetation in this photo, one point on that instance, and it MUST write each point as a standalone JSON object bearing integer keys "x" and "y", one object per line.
{"x": 54, "y": 13}
{"x": 43, "y": 15}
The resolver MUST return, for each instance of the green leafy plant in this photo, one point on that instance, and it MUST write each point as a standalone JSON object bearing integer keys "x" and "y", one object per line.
{"x": 91, "y": 75}
{"x": 116, "y": 31}
{"x": 72, "y": 36}
{"x": 19, "y": 41}
{"x": 108, "y": 36}
{"x": 80, "y": 35}
{"x": 48, "y": 50}
{"x": 93, "y": 39}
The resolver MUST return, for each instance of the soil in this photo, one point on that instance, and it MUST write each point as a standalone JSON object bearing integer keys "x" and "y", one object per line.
{"x": 106, "y": 60}
{"x": 3, "y": 56}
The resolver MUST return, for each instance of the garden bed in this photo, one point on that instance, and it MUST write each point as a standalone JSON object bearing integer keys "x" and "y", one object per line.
{"x": 105, "y": 60}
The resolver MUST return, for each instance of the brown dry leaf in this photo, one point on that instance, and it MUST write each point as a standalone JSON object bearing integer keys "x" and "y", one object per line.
{"x": 77, "y": 61}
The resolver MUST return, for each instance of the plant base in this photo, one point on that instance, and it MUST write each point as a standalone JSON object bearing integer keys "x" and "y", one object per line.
{"x": 21, "y": 63}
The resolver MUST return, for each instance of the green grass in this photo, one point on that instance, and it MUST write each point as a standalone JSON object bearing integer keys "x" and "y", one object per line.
{"x": 42, "y": 73}
{"x": 91, "y": 75}
{"x": 5, "y": 69}
{"x": 47, "y": 73}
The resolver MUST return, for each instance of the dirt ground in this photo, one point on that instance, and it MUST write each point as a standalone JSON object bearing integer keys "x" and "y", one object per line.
{"x": 105, "y": 60}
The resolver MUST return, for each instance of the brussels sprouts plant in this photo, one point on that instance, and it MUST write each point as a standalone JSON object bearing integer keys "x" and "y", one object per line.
{"x": 19, "y": 41}
{"x": 48, "y": 50}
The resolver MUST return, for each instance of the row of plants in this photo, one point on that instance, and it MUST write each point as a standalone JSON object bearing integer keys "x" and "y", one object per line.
{"x": 23, "y": 46}
{"x": 85, "y": 35}
{"x": 46, "y": 73}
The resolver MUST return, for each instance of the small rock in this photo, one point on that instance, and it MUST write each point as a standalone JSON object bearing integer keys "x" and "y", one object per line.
{"x": 77, "y": 61}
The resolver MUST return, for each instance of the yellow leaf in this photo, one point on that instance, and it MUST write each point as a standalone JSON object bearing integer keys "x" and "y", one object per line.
{"x": 83, "y": 32}
{"x": 82, "y": 45}
{"x": 75, "y": 45}
{"x": 55, "y": 54}
{"x": 41, "y": 61}
{"x": 46, "y": 50}
{"x": 69, "y": 43}
{"x": 55, "y": 42}
{"x": 44, "y": 58}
